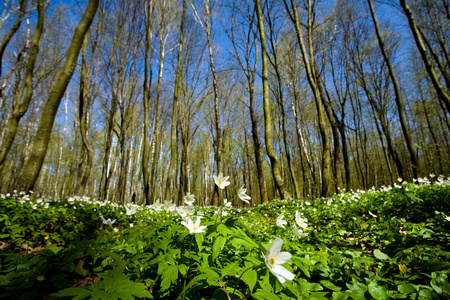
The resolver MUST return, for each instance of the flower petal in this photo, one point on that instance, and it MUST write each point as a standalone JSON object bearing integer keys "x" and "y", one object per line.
{"x": 281, "y": 271}
{"x": 275, "y": 247}
{"x": 283, "y": 257}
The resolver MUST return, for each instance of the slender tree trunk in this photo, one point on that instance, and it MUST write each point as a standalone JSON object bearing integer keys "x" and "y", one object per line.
{"x": 16, "y": 25}
{"x": 359, "y": 141}
{"x": 22, "y": 103}
{"x": 440, "y": 90}
{"x": 256, "y": 144}
{"x": 218, "y": 131}
{"x": 398, "y": 95}
{"x": 302, "y": 144}
{"x": 85, "y": 171}
{"x": 72, "y": 161}
{"x": 39, "y": 149}
{"x": 104, "y": 184}
{"x": 268, "y": 123}
{"x": 147, "y": 84}
{"x": 310, "y": 67}
{"x": 167, "y": 193}
{"x": 184, "y": 165}
{"x": 432, "y": 132}
{"x": 275, "y": 65}
{"x": 250, "y": 73}
{"x": 336, "y": 139}
{"x": 156, "y": 134}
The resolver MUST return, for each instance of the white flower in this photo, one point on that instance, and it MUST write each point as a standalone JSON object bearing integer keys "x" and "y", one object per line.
{"x": 193, "y": 227}
{"x": 168, "y": 205}
{"x": 189, "y": 199}
{"x": 221, "y": 181}
{"x": 280, "y": 221}
{"x": 226, "y": 203}
{"x": 185, "y": 211}
{"x": 300, "y": 221}
{"x": 298, "y": 232}
{"x": 274, "y": 259}
{"x": 370, "y": 213}
{"x": 108, "y": 221}
{"x": 157, "y": 205}
{"x": 243, "y": 196}
{"x": 131, "y": 210}
{"x": 447, "y": 218}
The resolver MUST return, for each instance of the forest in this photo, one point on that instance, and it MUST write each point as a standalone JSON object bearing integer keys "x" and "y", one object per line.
{"x": 145, "y": 100}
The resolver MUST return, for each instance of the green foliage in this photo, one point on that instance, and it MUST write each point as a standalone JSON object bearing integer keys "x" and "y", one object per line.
{"x": 392, "y": 243}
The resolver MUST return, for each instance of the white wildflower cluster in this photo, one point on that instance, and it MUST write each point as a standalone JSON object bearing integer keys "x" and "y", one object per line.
{"x": 301, "y": 222}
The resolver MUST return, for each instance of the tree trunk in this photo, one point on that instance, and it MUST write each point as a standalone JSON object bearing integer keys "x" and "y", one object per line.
{"x": 167, "y": 193}
{"x": 398, "y": 95}
{"x": 155, "y": 154}
{"x": 21, "y": 104}
{"x": 147, "y": 84}
{"x": 40, "y": 145}
{"x": 8, "y": 36}
{"x": 312, "y": 80}
{"x": 268, "y": 123}
{"x": 440, "y": 90}
{"x": 217, "y": 129}
{"x": 84, "y": 172}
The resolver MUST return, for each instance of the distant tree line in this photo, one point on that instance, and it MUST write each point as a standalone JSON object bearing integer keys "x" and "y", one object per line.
{"x": 143, "y": 100}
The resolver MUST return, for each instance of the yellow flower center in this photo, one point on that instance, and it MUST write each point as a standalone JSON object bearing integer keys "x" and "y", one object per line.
{"x": 272, "y": 260}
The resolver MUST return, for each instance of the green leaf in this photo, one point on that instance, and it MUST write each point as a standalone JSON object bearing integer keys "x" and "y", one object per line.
{"x": 262, "y": 295}
{"x": 406, "y": 288}
{"x": 199, "y": 240}
{"x": 250, "y": 277}
{"x": 192, "y": 283}
{"x": 378, "y": 291}
{"x": 428, "y": 294}
{"x": 169, "y": 275}
{"x": 218, "y": 245}
{"x": 329, "y": 285}
{"x": 357, "y": 290}
{"x": 318, "y": 296}
{"x": 208, "y": 271}
{"x": 339, "y": 296}
{"x": 440, "y": 285}
{"x": 229, "y": 269}
{"x": 380, "y": 255}
{"x": 223, "y": 229}
{"x": 183, "y": 269}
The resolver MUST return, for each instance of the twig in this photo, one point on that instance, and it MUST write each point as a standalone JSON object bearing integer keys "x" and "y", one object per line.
{"x": 225, "y": 289}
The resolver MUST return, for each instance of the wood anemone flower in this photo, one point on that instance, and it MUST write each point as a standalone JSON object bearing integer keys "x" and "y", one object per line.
{"x": 274, "y": 260}
{"x": 221, "y": 181}
{"x": 243, "y": 196}
{"x": 193, "y": 227}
